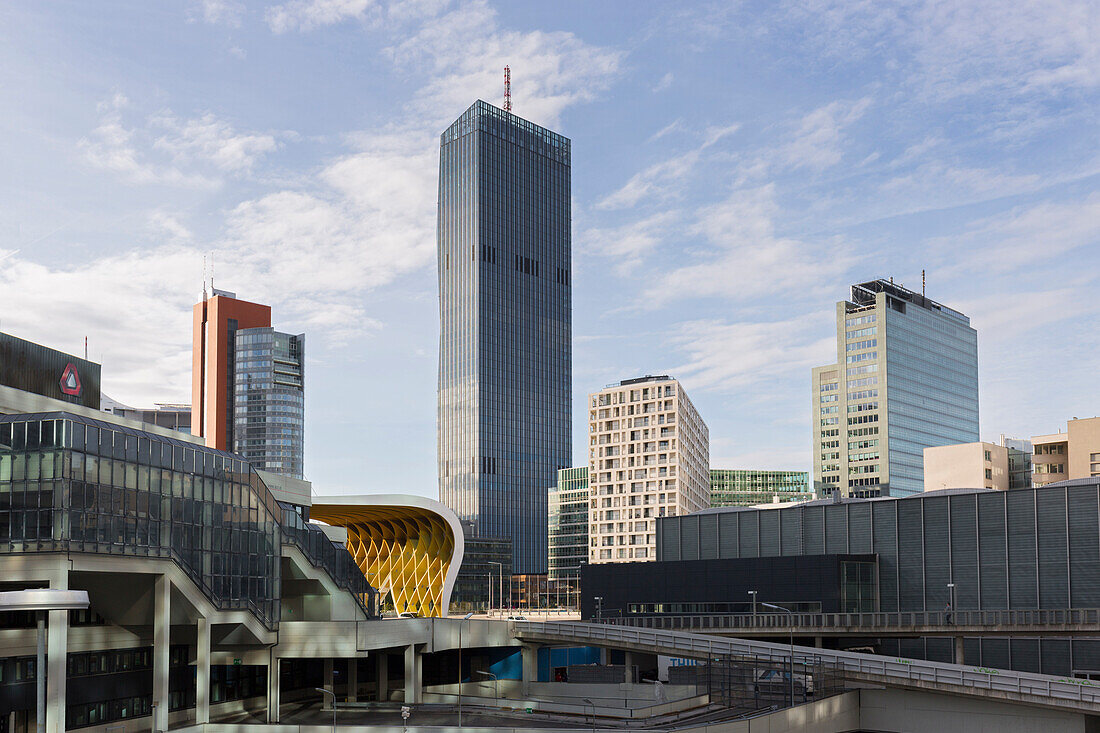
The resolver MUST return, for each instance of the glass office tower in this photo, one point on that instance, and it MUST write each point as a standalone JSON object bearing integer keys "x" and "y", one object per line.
{"x": 906, "y": 379}
{"x": 567, "y": 526}
{"x": 269, "y": 409}
{"x": 505, "y": 327}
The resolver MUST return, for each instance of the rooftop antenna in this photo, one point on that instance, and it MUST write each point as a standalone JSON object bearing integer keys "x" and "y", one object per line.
{"x": 212, "y": 272}
{"x": 922, "y": 282}
{"x": 204, "y": 277}
{"x": 507, "y": 89}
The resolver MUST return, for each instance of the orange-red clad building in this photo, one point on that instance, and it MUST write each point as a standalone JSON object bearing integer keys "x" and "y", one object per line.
{"x": 216, "y": 321}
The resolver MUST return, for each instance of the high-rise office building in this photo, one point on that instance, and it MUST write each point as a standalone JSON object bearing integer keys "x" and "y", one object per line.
{"x": 505, "y": 325}
{"x": 567, "y": 524}
{"x": 648, "y": 457}
{"x": 906, "y": 379}
{"x": 214, "y": 343}
{"x": 247, "y": 384}
{"x": 269, "y": 414}
{"x": 743, "y": 487}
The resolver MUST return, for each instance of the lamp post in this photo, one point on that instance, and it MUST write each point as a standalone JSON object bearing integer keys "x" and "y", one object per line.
{"x": 791, "y": 619}
{"x": 950, "y": 601}
{"x": 333, "y": 694}
{"x": 496, "y": 684}
{"x": 41, "y": 601}
{"x": 460, "y": 625}
{"x": 599, "y": 608}
{"x": 589, "y": 702}
{"x": 500, "y": 593}
{"x": 489, "y": 610}
{"x": 753, "y": 594}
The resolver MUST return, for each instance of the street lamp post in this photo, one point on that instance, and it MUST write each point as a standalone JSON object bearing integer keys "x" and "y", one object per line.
{"x": 753, "y": 594}
{"x": 950, "y": 601}
{"x": 500, "y": 593}
{"x": 496, "y": 684}
{"x": 589, "y": 702}
{"x": 599, "y": 608}
{"x": 790, "y": 617}
{"x": 41, "y": 601}
{"x": 333, "y": 694}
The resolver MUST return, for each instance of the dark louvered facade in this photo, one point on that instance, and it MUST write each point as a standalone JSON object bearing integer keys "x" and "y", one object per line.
{"x": 1018, "y": 549}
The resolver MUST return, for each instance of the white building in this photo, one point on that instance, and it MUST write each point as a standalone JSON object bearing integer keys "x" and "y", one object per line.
{"x": 648, "y": 457}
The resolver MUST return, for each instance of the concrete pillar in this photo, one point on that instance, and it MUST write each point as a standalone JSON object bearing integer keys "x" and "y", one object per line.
{"x": 412, "y": 675}
{"x": 353, "y": 679}
{"x": 383, "y": 685}
{"x": 529, "y": 656}
{"x": 819, "y": 642}
{"x": 162, "y": 625}
{"x": 628, "y": 663}
{"x": 202, "y": 671}
{"x": 328, "y": 685}
{"x": 273, "y": 700}
{"x": 960, "y": 656}
{"x": 57, "y": 647}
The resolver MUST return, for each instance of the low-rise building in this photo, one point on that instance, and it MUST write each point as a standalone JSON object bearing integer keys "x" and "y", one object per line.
{"x": 966, "y": 466}
{"x": 746, "y": 487}
{"x": 1069, "y": 455}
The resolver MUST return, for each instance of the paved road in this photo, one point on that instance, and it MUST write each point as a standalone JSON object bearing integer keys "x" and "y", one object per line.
{"x": 310, "y": 713}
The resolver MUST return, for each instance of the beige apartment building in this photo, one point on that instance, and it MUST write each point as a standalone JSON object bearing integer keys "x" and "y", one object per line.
{"x": 1069, "y": 455}
{"x": 648, "y": 457}
{"x": 966, "y": 466}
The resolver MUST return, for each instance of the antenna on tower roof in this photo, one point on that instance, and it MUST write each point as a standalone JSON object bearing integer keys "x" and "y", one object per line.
{"x": 507, "y": 89}
{"x": 204, "y": 277}
{"x": 922, "y": 283}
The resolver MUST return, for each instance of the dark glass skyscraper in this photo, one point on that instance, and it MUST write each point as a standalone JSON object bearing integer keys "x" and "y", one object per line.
{"x": 505, "y": 357}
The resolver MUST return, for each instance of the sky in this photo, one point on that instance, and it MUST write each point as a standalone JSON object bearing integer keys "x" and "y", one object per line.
{"x": 736, "y": 167}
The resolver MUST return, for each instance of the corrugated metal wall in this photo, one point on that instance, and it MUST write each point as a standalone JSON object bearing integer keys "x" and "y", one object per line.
{"x": 1019, "y": 549}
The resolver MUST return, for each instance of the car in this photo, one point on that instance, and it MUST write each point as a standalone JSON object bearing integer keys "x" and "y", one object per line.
{"x": 517, "y": 618}
{"x": 408, "y": 614}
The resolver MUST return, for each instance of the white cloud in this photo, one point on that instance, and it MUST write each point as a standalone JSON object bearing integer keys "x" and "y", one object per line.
{"x": 209, "y": 139}
{"x": 748, "y": 259}
{"x": 307, "y": 15}
{"x": 664, "y": 83}
{"x": 466, "y": 50}
{"x": 218, "y": 12}
{"x": 195, "y": 152}
{"x": 664, "y": 179}
{"x": 728, "y": 356}
{"x": 817, "y": 143}
{"x": 627, "y": 245}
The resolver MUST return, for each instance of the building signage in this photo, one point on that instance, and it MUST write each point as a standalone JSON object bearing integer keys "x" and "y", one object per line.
{"x": 30, "y": 367}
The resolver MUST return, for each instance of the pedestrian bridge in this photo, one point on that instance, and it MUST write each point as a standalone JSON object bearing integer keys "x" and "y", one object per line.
{"x": 1022, "y": 687}
{"x": 1045, "y": 622}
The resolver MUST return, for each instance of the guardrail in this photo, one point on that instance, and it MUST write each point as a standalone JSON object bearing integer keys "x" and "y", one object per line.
{"x": 1063, "y": 619}
{"x": 1041, "y": 689}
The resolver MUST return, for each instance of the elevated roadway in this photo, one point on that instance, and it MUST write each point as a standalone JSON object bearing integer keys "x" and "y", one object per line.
{"x": 1045, "y": 622}
{"x": 1028, "y": 688}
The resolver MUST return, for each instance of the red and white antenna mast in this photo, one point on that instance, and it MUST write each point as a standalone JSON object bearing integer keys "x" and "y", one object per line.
{"x": 507, "y": 89}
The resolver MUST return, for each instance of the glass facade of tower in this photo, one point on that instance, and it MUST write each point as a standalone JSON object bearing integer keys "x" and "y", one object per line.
{"x": 269, "y": 404}
{"x": 906, "y": 379}
{"x": 740, "y": 487}
{"x": 505, "y": 325}
{"x": 567, "y": 526}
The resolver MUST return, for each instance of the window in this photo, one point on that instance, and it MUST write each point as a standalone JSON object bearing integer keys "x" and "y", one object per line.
{"x": 988, "y": 457}
{"x": 989, "y": 472}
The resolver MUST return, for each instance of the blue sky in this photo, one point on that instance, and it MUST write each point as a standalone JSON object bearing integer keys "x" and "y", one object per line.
{"x": 736, "y": 166}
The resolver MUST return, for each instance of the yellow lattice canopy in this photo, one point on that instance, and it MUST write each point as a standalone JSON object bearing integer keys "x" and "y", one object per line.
{"x": 410, "y": 548}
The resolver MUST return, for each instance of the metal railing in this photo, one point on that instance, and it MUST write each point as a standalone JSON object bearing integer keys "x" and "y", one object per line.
{"x": 1075, "y": 619}
{"x": 1050, "y": 690}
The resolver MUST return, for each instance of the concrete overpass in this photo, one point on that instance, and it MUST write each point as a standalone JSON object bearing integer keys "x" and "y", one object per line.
{"x": 1028, "y": 688}
{"x": 1043, "y": 622}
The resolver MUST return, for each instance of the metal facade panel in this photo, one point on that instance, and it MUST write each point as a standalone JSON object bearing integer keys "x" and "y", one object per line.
{"x": 1086, "y": 655}
{"x": 964, "y": 550}
{"x": 993, "y": 551}
{"x": 939, "y": 649}
{"x": 727, "y": 542}
{"x": 708, "y": 536}
{"x": 995, "y": 653}
{"x": 1084, "y": 547}
{"x": 1025, "y": 654}
{"x": 813, "y": 530}
{"x": 1054, "y": 656}
{"x": 859, "y": 528}
{"x": 689, "y": 537}
{"x": 937, "y": 553}
{"x": 1053, "y": 548}
{"x": 884, "y": 515}
{"x": 669, "y": 546}
{"x": 769, "y": 533}
{"x": 910, "y": 555}
{"x": 1022, "y": 572}
{"x": 790, "y": 521}
{"x": 836, "y": 529}
{"x": 748, "y": 532}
